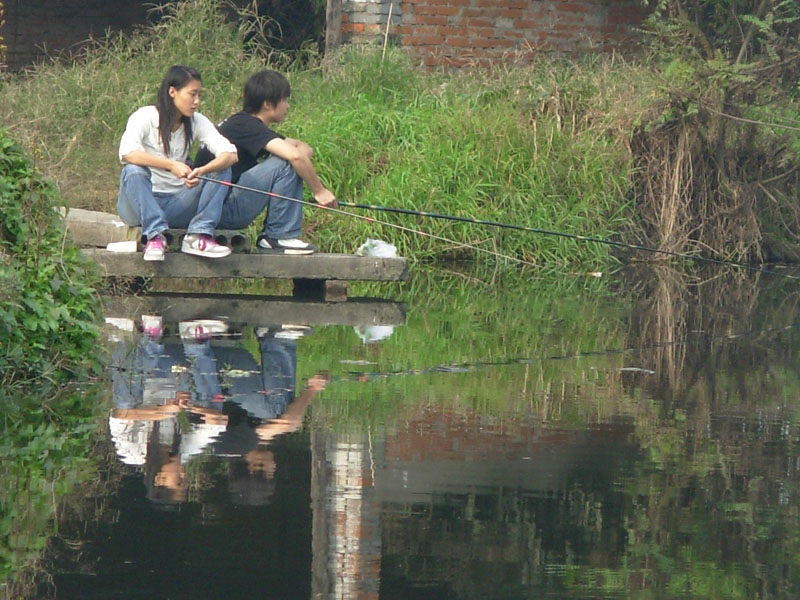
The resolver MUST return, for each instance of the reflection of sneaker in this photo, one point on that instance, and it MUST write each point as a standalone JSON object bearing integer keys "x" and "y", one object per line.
{"x": 155, "y": 248}
{"x": 201, "y": 329}
{"x": 285, "y": 332}
{"x": 152, "y": 326}
{"x": 201, "y": 244}
{"x": 268, "y": 245}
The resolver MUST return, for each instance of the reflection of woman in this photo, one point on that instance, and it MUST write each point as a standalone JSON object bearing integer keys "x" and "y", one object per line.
{"x": 164, "y": 477}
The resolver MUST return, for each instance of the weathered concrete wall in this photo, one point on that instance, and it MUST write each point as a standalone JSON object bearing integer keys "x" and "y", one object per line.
{"x": 462, "y": 32}
{"x": 36, "y": 28}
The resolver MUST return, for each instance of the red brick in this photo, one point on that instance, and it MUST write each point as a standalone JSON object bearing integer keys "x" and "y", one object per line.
{"x": 458, "y": 41}
{"x": 523, "y": 4}
{"x": 352, "y": 27}
{"x": 423, "y": 40}
{"x": 432, "y": 20}
{"x": 449, "y": 11}
{"x": 492, "y": 43}
{"x": 423, "y": 30}
{"x": 480, "y": 22}
{"x": 447, "y": 31}
{"x": 575, "y": 7}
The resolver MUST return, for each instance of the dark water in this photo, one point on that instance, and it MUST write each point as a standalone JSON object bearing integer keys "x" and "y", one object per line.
{"x": 634, "y": 436}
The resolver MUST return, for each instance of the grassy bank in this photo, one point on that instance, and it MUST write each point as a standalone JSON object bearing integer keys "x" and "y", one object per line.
{"x": 536, "y": 144}
{"x": 693, "y": 147}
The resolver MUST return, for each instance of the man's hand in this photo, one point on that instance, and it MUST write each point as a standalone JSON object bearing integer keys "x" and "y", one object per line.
{"x": 326, "y": 198}
{"x": 318, "y": 381}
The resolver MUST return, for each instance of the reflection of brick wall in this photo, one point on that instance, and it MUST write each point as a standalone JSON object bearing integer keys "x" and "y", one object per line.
{"x": 459, "y": 32}
{"x": 34, "y": 28}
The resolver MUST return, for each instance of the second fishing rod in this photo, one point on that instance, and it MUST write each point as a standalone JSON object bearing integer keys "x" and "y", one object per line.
{"x": 498, "y": 224}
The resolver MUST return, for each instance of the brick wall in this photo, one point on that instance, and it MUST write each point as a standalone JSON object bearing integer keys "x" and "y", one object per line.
{"x": 437, "y": 32}
{"x": 461, "y": 32}
{"x": 34, "y": 28}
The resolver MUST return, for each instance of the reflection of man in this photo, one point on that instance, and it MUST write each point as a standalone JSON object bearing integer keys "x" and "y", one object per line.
{"x": 261, "y": 404}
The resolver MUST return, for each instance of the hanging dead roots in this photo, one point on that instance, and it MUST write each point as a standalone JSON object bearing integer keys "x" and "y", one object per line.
{"x": 687, "y": 203}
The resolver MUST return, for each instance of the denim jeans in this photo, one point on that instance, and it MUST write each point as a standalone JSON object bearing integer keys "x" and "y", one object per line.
{"x": 265, "y": 391}
{"x": 144, "y": 373}
{"x": 284, "y": 217}
{"x": 196, "y": 209}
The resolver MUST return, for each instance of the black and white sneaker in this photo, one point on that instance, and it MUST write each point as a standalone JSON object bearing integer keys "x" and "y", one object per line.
{"x": 269, "y": 245}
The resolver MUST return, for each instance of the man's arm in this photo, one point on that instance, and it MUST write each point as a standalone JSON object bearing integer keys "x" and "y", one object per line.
{"x": 298, "y": 154}
{"x": 292, "y": 418}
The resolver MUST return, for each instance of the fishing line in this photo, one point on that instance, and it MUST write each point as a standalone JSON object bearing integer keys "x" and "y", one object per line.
{"x": 371, "y": 220}
{"x": 571, "y": 236}
{"x": 470, "y": 367}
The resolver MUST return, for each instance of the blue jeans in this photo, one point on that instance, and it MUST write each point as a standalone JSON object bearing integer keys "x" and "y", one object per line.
{"x": 284, "y": 218}
{"x": 263, "y": 392}
{"x": 134, "y": 365}
{"x": 196, "y": 209}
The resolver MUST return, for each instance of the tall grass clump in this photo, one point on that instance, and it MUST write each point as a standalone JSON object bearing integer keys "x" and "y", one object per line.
{"x": 543, "y": 145}
{"x": 525, "y": 144}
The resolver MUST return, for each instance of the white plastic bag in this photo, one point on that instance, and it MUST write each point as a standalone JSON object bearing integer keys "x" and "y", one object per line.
{"x": 370, "y": 334}
{"x": 377, "y": 248}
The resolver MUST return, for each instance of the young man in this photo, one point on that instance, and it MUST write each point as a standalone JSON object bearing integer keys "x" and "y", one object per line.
{"x": 268, "y": 162}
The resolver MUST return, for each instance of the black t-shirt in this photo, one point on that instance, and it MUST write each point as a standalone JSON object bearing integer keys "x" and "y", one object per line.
{"x": 249, "y": 135}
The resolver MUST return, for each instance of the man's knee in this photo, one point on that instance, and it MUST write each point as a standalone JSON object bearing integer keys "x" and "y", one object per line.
{"x": 267, "y": 170}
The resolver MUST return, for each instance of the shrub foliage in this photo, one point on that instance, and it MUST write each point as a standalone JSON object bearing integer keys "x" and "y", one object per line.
{"x": 48, "y": 305}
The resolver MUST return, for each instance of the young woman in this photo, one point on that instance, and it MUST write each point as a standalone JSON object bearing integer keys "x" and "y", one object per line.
{"x": 158, "y": 189}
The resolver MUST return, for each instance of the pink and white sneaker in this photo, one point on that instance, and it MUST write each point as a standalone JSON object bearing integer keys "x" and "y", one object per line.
{"x": 155, "y": 248}
{"x": 152, "y": 326}
{"x": 201, "y": 244}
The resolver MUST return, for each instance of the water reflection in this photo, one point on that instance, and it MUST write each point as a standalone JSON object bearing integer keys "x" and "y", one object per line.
{"x": 177, "y": 397}
{"x": 562, "y": 443}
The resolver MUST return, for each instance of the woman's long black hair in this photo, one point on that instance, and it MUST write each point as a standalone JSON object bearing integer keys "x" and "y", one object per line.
{"x": 177, "y": 76}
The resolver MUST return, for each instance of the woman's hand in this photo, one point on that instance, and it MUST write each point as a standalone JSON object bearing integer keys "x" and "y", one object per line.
{"x": 190, "y": 180}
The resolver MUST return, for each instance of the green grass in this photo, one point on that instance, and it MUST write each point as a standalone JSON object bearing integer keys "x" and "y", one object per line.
{"x": 543, "y": 144}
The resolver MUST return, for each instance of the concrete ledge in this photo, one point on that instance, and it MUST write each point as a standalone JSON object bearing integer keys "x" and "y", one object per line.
{"x": 252, "y": 310}
{"x": 346, "y": 267}
{"x": 94, "y": 229}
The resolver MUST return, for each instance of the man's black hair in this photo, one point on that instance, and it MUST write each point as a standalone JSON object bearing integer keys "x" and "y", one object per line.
{"x": 265, "y": 86}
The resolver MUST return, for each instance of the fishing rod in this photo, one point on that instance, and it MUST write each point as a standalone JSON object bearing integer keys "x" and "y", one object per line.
{"x": 371, "y": 220}
{"x": 562, "y": 234}
{"x": 572, "y": 236}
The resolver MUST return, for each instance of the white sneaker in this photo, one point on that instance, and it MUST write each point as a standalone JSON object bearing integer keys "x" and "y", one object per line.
{"x": 201, "y": 329}
{"x": 201, "y": 244}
